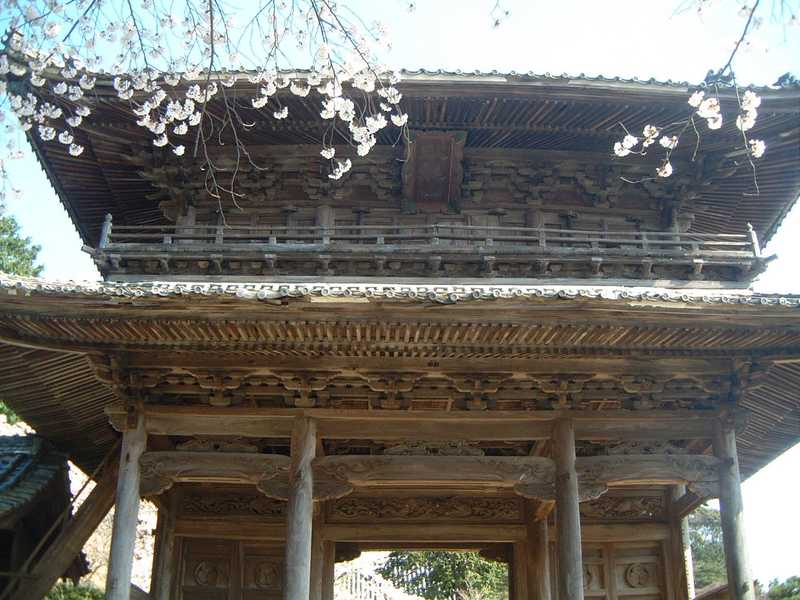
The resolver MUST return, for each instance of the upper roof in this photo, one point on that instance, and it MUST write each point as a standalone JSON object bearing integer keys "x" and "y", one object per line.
{"x": 560, "y": 117}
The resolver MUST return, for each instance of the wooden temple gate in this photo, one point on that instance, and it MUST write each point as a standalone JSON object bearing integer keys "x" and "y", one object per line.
{"x": 487, "y": 339}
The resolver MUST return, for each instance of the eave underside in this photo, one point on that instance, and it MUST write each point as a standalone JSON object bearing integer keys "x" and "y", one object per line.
{"x": 68, "y": 357}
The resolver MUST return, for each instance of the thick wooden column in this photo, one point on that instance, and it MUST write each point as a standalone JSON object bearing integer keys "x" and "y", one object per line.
{"x": 329, "y": 570}
{"x": 317, "y": 557}
{"x": 683, "y": 571}
{"x": 538, "y": 560}
{"x": 126, "y": 514}
{"x": 740, "y": 583}
{"x": 165, "y": 563}
{"x": 568, "y": 517}
{"x": 300, "y": 513}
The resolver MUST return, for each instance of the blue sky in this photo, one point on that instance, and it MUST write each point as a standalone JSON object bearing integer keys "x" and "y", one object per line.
{"x": 629, "y": 38}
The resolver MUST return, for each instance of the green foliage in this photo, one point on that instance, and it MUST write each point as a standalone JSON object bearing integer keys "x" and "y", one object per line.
{"x": 11, "y": 416}
{"x": 788, "y": 590}
{"x": 67, "y": 591}
{"x": 446, "y": 575}
{"x": 708, "y": 555}
{"x": 17, "y": 254}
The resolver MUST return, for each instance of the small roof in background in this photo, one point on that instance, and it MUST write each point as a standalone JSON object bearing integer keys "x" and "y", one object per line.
{"x": 28, "y": 467}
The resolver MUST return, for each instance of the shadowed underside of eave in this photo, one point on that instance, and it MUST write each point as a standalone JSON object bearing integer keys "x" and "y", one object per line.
{"x": 59, "y": 395}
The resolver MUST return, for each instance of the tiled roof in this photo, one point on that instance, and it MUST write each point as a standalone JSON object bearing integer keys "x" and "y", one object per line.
{"x": 27, "y": 467}
{"x": 432, "y": 292}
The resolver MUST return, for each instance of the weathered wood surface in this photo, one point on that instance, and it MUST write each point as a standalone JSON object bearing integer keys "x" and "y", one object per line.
{"x": 165, "y": 565}
{"x": 731, "y": 509}
{"x": 436, "y": 425}
{"x": 568, "y": 517}
{"x": 160, "y": 470}
{"x": 69, "y": 542}
{"x": 126, "y": 513}
{"x": 300, "y": 511}
{"x": 538, "y": 558}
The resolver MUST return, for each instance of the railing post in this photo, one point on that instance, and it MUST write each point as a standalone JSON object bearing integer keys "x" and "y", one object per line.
{"x": 754, "y": 240}
{"x": 542, "y": 238}
{"x": 218, "y": 237}
{"x": 105, "y": 231}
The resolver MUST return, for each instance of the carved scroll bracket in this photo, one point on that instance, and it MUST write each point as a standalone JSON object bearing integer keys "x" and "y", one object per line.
{"x": 161, "y": 470}
{"x": 698, "y": 472}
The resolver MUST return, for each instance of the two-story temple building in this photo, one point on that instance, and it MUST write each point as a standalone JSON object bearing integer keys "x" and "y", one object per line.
{"x": 493, "y": 335}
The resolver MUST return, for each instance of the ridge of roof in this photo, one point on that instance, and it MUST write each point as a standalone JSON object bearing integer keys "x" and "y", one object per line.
{"x": 447, "y": 293}
{"x": 786, "y": 81}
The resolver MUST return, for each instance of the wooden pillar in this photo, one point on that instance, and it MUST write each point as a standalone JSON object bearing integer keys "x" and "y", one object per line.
{"x": 568, "y": 518}
{"x": 538, "y": 560}
{"x": 126, "y": 514}
{"x": 165, "y": 565}
{"x": 328, "y": 570}
{"x": 681, "y": 551}
{"x": 300, "y": 512}
{"x": 740, "y": 584}
{"x": 317, "y": 556}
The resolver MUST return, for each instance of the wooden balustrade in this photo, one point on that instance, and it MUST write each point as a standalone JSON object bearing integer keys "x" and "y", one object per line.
{"x": 120, "y": 237}
{"x": 540, "y": 247}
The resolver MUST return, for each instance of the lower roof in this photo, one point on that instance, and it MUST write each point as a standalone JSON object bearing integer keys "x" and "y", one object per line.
{"x": 51, "y": 335}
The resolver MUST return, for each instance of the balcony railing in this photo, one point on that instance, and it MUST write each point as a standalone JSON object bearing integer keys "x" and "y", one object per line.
{"x": 435, "y": 244}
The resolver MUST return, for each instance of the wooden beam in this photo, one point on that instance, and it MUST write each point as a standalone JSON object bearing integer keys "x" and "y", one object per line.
{"x": 126, "y": 514}
{"x": 417, "y": 425}
{"x": 60, "y": 554}
{"x": 731, "y": 510}
{"x": 389, "y": 533}
{"x": 300, "y": 512}
{"x": 568, "y": 516}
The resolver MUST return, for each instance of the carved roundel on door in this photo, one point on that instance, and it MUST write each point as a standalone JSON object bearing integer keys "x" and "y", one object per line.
{"x": 639, "y": 575}
{"x": 206, "y": 574}
{"x": 267, "y": 576}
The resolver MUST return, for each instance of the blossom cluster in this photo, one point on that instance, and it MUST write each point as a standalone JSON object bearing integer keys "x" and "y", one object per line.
{"x": 167, "y": 61}
{"x": 707, "y": 108}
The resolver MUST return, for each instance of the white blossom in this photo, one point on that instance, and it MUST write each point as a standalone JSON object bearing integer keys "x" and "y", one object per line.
{"x": 746, "y": 121}
{"x": 400, "y": 119}
{"x": 669, "y": 142}
{"x": 750, "y": 101}
{"x": 621, "y": 150}
{"x": 328, "y": 152}
{"x": 179, "y": 150}
{"x": 282, "y": 113}
{"x": 161, "y": 140}
{"x": 342, "y": 167}
{"x": 299, "y": 90}
{"x": 664, "y": 170}
{"x": 46, "y": 133}
{"x": 74, "y": 120}
{"x": 696, "y": 98}
{"x": 629, "y": 141}
{"x": 709, "y": 108}
{"x": 180, "y": 129}
{"x": 75, "y": 149}
{"x": 757, "y": 148}
{"x": 65, "y": 137}
{"x": 714, "y": 122}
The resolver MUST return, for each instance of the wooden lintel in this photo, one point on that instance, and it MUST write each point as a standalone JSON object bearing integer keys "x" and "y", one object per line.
{"x": 419, "y": 425}
{"x": 382, "y": 532}
{"x": 672, "y": 367}
{"x": 338, "y": 475}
